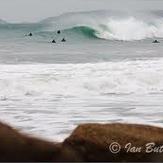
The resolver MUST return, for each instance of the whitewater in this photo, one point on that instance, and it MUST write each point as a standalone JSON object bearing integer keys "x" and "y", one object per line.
{"x": 108, "y": 70}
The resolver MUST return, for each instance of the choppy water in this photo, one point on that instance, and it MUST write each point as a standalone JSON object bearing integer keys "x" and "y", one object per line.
{"x": 108, "y": 70}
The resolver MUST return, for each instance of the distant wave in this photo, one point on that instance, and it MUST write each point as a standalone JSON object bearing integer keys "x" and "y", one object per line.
{"x": 128, "y": 29}
{"x": 89, "y": 32}
{"x": 96, "y": 25}
{"x": 2, "y": 21}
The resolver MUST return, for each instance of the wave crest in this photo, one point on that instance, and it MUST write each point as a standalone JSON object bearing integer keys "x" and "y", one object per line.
{"x": 130, "y": 29}
{"x": 95, "y": 25}
{"x": 127, "y": 30}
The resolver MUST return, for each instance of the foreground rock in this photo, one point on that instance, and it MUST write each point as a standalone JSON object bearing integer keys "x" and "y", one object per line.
{"x": 135, "y": 142}
{"x": 89, "y": 142}
{"x": 18, "y": 147}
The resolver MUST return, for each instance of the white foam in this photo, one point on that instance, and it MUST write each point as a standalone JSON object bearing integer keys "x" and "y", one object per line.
{"x": 118, "y": 27}
{"x": 50, "y": 100}
{"x": 82, "y": 79}
{"x": 130, "y": 29}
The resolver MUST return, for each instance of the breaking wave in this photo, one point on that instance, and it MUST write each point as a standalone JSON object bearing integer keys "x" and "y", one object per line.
{"x": 136, "y": 77}
{"x": 95, "y": 25}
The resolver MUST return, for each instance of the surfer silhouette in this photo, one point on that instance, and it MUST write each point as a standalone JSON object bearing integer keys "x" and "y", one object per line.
{"x": 53, "y": 41}
{"x": 63, "y": 40}
{"x": 155, "y": 41}
{"x": 30, "y": 34}
{"x": 59, "y": 32}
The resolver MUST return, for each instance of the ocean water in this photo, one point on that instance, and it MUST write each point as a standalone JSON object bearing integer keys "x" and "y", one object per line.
{"x": 108, "y": 70}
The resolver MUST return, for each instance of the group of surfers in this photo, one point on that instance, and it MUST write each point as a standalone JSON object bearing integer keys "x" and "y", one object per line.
{"x": 64, "y": 40}
{"x": 53, "y": 41}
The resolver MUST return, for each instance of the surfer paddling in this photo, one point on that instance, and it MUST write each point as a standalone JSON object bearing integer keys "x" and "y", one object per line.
{"x": 155, "y": 41}
{"x": 58, "y": 32}
{"x": 30, "y": 34}
{"x": 63, "y": 40}
{"x": 53, "y": 41}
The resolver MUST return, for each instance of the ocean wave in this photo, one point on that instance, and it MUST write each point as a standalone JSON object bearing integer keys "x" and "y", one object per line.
{"x": 2, "y": 21}
{"x": 128, "y": 29}
{"x": 87, "y": 31}
{"x": 95, "y": 25}
{"x": 130, "y": 77}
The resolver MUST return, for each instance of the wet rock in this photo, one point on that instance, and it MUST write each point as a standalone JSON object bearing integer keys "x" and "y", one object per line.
{"x": 88, "y": 142}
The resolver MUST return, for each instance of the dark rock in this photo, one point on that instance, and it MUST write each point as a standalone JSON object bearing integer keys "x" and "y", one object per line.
{"x": 92, "y": 142}
{"x": 89, "y": 142}
{"x": 16, "y": 147}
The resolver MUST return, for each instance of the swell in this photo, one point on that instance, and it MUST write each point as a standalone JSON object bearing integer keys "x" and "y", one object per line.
{"x": 86, "y": 31}
{"x": 93, "y": 26}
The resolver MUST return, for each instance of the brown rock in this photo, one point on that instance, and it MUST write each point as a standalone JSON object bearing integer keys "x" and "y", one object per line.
{"x": 89, "y": 142}
{"x": 18, "y": 147}
{"x": 92, "y": 142}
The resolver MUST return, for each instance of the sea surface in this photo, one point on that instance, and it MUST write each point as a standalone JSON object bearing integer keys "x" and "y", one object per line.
{"x": 108, "y": 70}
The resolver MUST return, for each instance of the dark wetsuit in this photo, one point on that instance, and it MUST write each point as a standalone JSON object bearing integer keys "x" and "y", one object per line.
{"x": 53, "y": 41}
{"x": 30, "y": 34}
{"x": 155, "y": 41}
{"x": 63, "y": 40}
{"x": 58, "y": 31}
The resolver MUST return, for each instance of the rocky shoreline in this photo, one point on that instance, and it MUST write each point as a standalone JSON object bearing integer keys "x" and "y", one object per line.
{"x": 87, "y": 143}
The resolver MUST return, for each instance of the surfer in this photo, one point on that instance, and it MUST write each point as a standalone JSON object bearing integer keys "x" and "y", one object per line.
{"x": 63, "y": 40}
{"x": 59, "y": 32}
{"x": 30, "y": 34}
{"x": 53, "y": 41}
{"x": 155, "y": 41}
